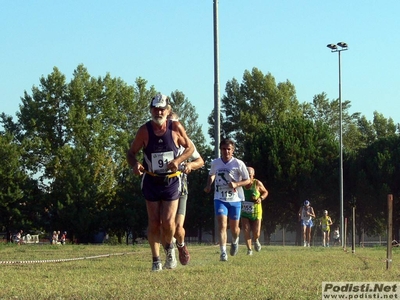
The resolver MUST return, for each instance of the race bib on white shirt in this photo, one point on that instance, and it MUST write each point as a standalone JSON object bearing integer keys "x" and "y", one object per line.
{"x": 159, "y": 161}
{"x": 225, "y": 174}
{"x": 225, "y": 193}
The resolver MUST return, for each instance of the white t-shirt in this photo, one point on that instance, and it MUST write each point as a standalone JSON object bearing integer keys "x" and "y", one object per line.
{"x": 195, "y": 155}
{"x": 336, "y": 234}
{"x": 304, "y": 215}
{"x": 232, "y": 171}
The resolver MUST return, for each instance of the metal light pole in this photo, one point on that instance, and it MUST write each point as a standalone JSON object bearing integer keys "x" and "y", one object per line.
{"x": 217, "y": 105}
{"x": 339, "y": 47}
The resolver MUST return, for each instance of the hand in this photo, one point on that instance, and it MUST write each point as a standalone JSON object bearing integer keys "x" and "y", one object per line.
{"x": 207, "y": 189}
{"x": 233, "y": 185}
{"x": 172, "y": 165}
{"x": 138, "y": 169}
{"x": 188, "y": 168}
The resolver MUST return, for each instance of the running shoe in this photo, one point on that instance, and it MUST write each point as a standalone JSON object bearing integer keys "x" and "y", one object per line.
{"x": 257, "y": 246}
{"x": 170, "y": 263}
{"x": 249, "y": 252}
{"x": 234, "y": 249}
{"x": 157, "y": 266}
{"x": 223, "y": 257}
{"x": 184, "y": 256}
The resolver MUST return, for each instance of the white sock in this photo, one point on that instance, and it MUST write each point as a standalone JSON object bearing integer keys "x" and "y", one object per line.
{"x": 222, "y": 248}
{"x": 180, "y": 245}
{"x": 235, "y": 241}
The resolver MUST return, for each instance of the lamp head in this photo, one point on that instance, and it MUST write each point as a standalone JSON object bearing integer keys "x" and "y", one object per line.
{"x": 342, "y": 45}
{"x": 332, "y": 46}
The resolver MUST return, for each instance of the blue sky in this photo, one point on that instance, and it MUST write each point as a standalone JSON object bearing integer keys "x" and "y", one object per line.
{"x": 170, "y": 44}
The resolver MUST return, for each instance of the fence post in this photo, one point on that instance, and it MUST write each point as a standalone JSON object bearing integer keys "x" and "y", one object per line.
{"x": 344, "y": 237}
{"x": 353, "y": 243}
{"x": 389, "y": 231}
{"x": 362, "y": 237}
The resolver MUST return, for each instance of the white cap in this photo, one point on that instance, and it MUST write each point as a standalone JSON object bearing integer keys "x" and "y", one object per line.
{"x": 160, "y": 101}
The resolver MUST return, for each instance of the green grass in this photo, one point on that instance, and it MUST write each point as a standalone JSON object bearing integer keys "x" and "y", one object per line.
{"x": 274, "y": 273}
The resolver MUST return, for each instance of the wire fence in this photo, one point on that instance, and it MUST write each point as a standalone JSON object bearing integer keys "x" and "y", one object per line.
{"x": 40, "y": 261}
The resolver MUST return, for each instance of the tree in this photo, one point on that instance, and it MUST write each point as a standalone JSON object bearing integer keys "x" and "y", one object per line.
{"x": 324, "y": 111}
{"x": 383, "y": 127}
{"x": 294, "y": 159}
{"x": 375, "y": 173}
{"x": 187, "y": 116}
{"x": 13, "y": 179}
{"x": 79, "y": 133}
{"x": 257, "y": 100}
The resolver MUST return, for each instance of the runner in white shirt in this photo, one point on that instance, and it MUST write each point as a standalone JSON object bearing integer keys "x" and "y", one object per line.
{"x": 229, "y": 175}
{"x": 306, "y": 213}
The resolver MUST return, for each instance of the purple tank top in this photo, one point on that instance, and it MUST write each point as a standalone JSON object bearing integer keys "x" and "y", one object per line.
{"x": 159, "y": 150}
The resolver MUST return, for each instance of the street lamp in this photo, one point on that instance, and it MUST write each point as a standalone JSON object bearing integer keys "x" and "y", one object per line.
{"x": 339, "y": 47}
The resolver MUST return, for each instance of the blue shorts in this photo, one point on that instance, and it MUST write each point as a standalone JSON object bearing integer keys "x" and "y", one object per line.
{"x": 307, "y": 223}
{"x": 230, "y": 209}
{"x": 161, "y": 188}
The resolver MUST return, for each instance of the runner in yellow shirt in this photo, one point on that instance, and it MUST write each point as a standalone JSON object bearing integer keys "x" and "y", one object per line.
{"x": 325, "y": 223}
{"x": 251, "y": 213}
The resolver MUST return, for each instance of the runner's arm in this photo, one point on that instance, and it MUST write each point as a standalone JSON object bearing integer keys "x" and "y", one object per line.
{"x": 138, "y": 143}
{"x": 193, "y": 165}
{"x": 182, "y": 140}
{"x": 263, "y": 191}
{"x": 210, "y": 181}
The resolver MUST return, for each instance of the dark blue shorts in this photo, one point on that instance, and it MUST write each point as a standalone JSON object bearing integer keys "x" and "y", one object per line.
{"x": 161, "y": 188}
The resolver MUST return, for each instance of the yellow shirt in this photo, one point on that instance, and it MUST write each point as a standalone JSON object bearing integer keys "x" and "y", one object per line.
{"x": 250, "y": 209}
{"x": 325, "y": 222}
